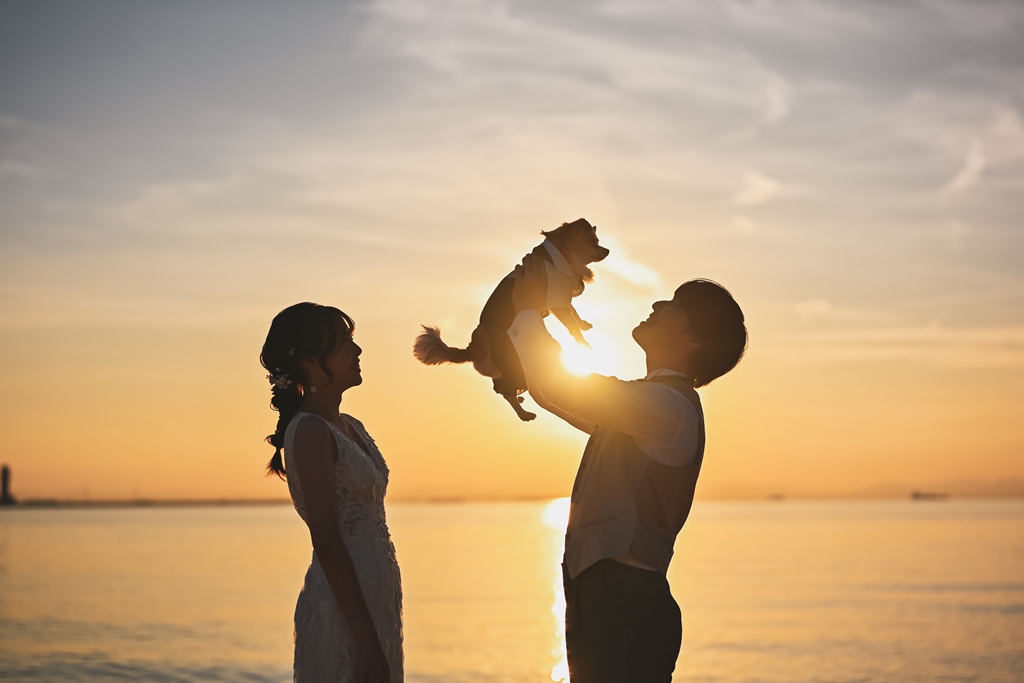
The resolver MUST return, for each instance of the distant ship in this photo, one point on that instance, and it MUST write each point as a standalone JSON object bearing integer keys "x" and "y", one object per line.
{"x": 928, "y": 495}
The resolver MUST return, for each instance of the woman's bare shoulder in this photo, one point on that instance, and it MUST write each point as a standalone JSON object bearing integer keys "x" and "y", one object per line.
{"x": 311, "y": 431}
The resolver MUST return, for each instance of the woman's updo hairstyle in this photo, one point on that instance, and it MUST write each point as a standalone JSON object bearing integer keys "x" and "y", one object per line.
{"x": 301, "y": 331}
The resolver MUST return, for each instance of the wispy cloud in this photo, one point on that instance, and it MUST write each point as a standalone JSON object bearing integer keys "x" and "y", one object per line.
{"x": 756, "y": 189}
{"x": 957, "y": 233}
{"x": 812, "y": 308}
{"x": 17, "y": 169}
{"x": 463, "y": 126}
{"x": 631, "y": 271}
{"x": 590, "y": 63}
{"x": 969, "y": 174}
{"x": 978, "y": 137}
{"x": 930, "y": 344}
{"x": 745, "y": 225}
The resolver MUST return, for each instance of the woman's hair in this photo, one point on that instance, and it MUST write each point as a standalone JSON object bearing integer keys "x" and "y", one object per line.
{"x": 717, "y": 322}
{"x": 301, "y": 331}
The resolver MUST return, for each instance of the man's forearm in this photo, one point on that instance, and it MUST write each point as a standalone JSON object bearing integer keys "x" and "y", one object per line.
{"x": 539, "y": 399}
{"x": 539, "y": 353}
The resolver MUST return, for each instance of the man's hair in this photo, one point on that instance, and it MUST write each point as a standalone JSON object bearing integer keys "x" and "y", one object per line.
{"x": 717, "y": 322}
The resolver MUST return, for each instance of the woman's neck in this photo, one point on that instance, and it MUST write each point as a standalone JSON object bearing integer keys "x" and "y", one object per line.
{"x": 322, "y": 405}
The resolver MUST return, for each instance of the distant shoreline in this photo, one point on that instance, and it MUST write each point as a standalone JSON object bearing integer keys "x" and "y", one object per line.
{"x": 37, "y": 503}
{"x": 142, "y": 502}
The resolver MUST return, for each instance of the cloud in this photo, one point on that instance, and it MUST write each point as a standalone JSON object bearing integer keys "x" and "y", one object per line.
{"x": 969, "y": 174}
{"x": 999, "y": 146}
{"x": 744, "y": 225}
{"x": 17, "y": 169}
{"x": 16, "y": 124}
{"x": 981, "y": 135}
{"x": 929, "y": 344}
{"x": 956, "y": 235}
{"x": 776, "y": 99}
{"x": 633, "y": 272}
{"x": 466, "y": 125}
{"x": 813, "y": 308}
{"x": 588, "y": 61}
{"x": 757, "y": 189}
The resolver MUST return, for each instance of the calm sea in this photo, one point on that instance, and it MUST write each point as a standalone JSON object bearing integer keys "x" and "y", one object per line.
{"x": 770, "y": 591}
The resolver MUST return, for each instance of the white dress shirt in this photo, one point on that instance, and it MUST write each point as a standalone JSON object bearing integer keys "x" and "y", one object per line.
{"x": 563, "y": 283}
{"x": 663, "y": 422}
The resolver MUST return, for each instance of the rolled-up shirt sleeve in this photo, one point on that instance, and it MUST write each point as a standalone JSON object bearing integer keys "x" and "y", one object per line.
{"x": 533, "y": 343}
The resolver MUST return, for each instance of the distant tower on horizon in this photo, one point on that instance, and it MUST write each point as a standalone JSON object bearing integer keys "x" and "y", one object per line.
{"x": 5, "y": 486}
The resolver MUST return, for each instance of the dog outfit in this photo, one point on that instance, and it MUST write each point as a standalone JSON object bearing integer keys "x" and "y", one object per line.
{"x": 498, "y": 314}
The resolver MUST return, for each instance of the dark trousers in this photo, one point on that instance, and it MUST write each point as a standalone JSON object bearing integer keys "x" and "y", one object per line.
{"x": 622, "y": 625}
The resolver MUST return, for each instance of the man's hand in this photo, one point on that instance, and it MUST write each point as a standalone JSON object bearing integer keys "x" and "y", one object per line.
{"x": 531, "y": 286}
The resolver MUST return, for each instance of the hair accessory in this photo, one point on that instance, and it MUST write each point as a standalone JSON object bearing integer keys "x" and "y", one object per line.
{"x": 291, "y": 351}
{"x": 279, "y": 380}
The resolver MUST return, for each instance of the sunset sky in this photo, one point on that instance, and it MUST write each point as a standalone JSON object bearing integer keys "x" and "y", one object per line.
{"x": 174, "y": 174}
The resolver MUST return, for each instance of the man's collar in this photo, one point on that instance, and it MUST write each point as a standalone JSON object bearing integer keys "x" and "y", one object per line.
{"x": 663, "y": 372}
{"x": 557, "y": 260}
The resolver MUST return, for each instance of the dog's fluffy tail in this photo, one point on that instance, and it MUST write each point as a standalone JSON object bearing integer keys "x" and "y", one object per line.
{"x": 429, "y": 349}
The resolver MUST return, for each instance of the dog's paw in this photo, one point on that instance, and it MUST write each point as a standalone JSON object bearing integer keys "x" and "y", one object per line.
{"x": 585, "y": 326}
{"x": 516, "y": 403}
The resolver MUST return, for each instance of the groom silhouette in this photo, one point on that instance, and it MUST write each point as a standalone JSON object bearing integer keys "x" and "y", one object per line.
{"x": 636, "y": 481}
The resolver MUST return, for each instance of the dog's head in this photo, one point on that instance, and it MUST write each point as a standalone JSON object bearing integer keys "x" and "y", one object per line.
{"x": 578, "y": 243}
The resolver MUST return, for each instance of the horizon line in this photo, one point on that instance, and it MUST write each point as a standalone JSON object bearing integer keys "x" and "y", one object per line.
{"x": 913, "y": 496}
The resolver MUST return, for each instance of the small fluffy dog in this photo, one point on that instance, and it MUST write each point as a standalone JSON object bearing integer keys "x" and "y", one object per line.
{"x": 567, "y": 251}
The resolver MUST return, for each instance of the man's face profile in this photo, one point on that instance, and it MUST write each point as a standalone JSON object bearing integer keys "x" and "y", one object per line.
{"x": 666, "y": 327}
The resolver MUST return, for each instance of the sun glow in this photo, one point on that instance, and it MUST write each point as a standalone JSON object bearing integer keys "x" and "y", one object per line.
{"x": 556, "y": 514}
{"x": 580, "y": 359}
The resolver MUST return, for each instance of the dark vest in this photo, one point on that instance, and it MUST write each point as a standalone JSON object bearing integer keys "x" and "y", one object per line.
{"x": 626, "y": 503}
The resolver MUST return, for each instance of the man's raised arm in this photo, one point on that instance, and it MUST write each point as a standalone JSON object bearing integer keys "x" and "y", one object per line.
{"x": 581, "y": 401}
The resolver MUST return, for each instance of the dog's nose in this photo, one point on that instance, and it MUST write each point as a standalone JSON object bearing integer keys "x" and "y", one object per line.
{"x": 604, "y": 253}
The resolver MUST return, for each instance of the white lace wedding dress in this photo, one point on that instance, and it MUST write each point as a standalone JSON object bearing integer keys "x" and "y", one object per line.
{"x": 324, "y": 644}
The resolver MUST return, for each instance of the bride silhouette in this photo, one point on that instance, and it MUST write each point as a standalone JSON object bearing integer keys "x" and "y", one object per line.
{"x": 348, "y": 620}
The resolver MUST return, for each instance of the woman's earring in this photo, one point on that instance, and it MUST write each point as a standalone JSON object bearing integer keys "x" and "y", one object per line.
{"x": 312, "y": 389}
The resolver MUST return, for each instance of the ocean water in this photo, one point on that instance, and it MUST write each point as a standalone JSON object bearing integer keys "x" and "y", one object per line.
{"x": 771, "y": 591}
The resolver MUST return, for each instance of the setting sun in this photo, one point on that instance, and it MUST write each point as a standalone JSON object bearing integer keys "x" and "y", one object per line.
{"x": 578, "y": 359}
{"x": 600, "y": 357}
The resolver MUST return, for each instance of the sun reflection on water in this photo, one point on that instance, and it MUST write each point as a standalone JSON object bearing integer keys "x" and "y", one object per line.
{"x": 556, "y": 516}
